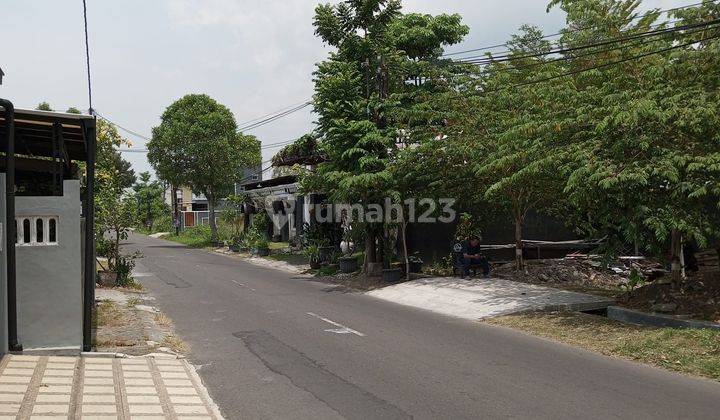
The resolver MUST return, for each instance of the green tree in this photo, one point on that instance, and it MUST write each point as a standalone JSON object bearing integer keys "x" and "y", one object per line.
{"x": 149, "y": 198}
{"x": 645, "y": 156}
{"x": 377, "y": 50}
{"x": 518, "y": 168}
{"x": 197, "y": 143}
{"x": 44, "y": 106}
{"x": 73, "y": 110}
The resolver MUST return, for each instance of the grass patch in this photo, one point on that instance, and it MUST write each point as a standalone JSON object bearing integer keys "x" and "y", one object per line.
{"x": 691, "y": 351}
{"x": 174, "y": 343}
{"x": 115, "y": 343}
{"x": 194, "y": 237}
{"x": 162, "y": 320}
{"x": 132, "y": 302}
{"x": 109, "y": 314}
{"x": 278, "y": 245}
{"x": 293, "y": 259}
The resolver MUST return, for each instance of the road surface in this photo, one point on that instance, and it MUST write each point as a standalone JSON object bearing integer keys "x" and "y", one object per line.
{"x": 271, "y": 346}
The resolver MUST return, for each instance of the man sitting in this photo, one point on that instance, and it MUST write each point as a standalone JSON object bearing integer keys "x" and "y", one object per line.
{"x": 472, "y": 256}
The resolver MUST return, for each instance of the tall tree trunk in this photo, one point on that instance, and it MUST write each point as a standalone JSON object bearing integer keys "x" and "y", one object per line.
{"x": 370, "y": 250}
{"x": 519, "y": 262}
{"x": 211, "y": 208}
{"x": 403, "y": 232}
{"x": 675, "y": 256}
{"x": 175, "y": 209}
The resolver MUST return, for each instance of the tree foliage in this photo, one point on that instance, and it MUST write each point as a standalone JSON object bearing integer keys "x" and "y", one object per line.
{"x": 197, "y": 144}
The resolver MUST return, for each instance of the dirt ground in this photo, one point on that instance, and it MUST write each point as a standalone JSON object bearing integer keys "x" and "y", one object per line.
{"x": 127, "y": 323}
{"x": 698, "y": 297}
{"x": 577, "y": 275}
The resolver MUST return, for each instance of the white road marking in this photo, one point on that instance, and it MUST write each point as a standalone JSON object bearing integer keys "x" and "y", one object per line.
{"x": 341, "y": 330}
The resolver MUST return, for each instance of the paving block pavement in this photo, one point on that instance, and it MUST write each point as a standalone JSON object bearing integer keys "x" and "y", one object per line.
{"x": 100, "y": 388}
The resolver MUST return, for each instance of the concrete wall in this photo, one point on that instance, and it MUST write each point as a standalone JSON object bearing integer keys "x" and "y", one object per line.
{"x": 3, "y": 271}
{"x": 49, "y": 277}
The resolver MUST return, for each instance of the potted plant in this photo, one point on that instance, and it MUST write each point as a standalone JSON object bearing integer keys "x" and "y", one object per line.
{"x": 392, "y": 275}
{"x": 348, "y": 264}
{"x": 326, "y": 253}
{"x": 415, "y": 263}
{"x": 236, "y": 244}
{"x": 262, "y": 248}
{"x": 312, "y": 252}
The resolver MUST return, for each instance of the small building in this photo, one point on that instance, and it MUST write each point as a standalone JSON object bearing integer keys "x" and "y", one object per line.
{"x": 194, "y": 208}
{"x": 279, "y": 197}
{"x": 47, "y": 261}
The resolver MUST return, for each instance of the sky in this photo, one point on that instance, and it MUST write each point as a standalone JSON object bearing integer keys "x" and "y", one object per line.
{"x": 254, "y": 56}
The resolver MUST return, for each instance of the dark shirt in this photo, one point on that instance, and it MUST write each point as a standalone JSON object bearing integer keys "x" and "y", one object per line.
{"x": 468, "y": 249}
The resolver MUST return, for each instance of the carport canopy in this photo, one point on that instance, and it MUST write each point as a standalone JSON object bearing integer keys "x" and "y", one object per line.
{"x": 35, "y": 132}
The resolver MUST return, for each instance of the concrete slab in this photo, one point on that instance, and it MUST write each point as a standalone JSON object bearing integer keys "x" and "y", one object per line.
{"x": 483, "y": 298}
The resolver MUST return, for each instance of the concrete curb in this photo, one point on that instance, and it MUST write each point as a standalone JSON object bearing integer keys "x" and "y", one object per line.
{"x": 202, "y": 389}
{"x": 630, "y": 316}
{"x": 579, "y": 307}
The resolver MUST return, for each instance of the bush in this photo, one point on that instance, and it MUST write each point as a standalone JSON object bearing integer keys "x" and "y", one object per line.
{"x": 124, "y": 267}
{"x": 195, "y": 237}
{"x": 261, "y": 243}
{"x": 163, "y": 223}
{"x": 103, "y": 247}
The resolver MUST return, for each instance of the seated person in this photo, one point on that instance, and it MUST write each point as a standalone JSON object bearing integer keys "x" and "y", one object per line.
{"x": 472, "y": 255}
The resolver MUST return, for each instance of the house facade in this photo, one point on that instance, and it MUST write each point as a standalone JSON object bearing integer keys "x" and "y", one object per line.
{"x": 47, "y": 262}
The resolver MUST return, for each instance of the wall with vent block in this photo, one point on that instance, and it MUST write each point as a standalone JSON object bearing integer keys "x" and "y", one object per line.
{"x": 49, "y": 270}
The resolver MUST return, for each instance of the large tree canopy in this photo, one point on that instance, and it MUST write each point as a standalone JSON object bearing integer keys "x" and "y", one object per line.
{"x": 197, "y": 144}
{"x": 377, "y": 51}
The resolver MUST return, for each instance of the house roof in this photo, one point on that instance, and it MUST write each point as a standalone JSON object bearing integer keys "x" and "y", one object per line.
{"x": 275, "y": 182}
{"x": 35, "y": 130}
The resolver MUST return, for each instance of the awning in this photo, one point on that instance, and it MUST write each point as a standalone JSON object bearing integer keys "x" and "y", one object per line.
{"x": 35, "y": 130}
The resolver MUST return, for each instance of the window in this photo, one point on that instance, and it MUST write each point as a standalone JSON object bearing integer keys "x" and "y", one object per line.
{"x": 52, "y": 231}
{"x": 39, "y": 224}
{"x": 26, "y": 231}
{"x": 37, "y": 231}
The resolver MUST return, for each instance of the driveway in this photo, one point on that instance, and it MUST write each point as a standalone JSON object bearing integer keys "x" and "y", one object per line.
{"x": 277, "y": 347}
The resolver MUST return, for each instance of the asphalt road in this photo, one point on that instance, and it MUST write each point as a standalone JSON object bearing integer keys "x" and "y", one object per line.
{"x": 275, "y": 347}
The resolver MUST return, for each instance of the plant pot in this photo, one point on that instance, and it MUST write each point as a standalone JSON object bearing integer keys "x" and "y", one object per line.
{"x": 235, "y": 248}
{"x": 348, "y": 264}
{"x": 392, "y": 275}
{"x": 315, "y": 264}
{"x": 326, "y": 253}
{"x": 107, "y": 278}
{"x": 263, "y": 252}
{"x": 374, "y": 269}
{"x": 217, "y": 244}
{"x": 415, "y": 267}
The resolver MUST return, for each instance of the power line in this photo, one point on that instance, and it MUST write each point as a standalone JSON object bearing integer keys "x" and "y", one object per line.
{"x": 611, "y": 41}
{"x": 274, "y": 112}
{"x": 87, "y": 58}
{"x": 127, "y": 130}
{"x": 601, "y": 66}
{"x": 589, "y": 54}
{"x": 491, "y": 47}
{"x": 263, "y": 147}
{"x": 274, "y": 117}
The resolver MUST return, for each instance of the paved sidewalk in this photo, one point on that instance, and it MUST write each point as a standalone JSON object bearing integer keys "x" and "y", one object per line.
{"x": 42, "y": 387}
{"x": 482, "y": 298}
